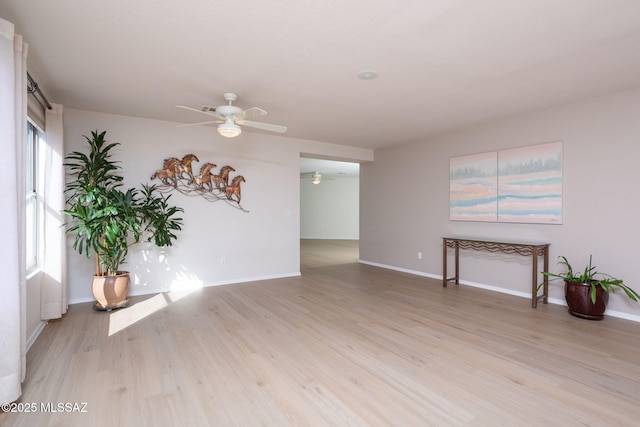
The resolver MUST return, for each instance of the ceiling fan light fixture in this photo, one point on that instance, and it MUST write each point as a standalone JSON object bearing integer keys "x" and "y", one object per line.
{"x": 228, "y": 129}
{"x": 316, "y": 178}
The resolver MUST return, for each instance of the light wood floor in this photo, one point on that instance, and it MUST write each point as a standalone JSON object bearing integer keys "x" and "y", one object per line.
{"x": 344, "y": 345}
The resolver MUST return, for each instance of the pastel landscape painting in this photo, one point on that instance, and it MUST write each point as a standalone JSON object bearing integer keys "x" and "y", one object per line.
{"x": 473, "y": 183}
{"x": 530, "y": 184}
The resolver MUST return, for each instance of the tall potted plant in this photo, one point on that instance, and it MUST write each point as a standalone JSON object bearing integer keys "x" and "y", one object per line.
{"x": 587, "y": 292}
{"x": 106, "y": 220}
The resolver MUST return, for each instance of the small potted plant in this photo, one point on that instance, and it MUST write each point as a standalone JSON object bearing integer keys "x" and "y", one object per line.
{"x": 107, "y": 220}
{"x": 587, "y": 292}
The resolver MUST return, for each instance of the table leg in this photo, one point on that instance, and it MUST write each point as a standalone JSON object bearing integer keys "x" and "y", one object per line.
{"x": 545, "y": 286}
{"x": 534, "y": 279}
{"x": 444, "y": 263}
{"x": 457, "y": 262}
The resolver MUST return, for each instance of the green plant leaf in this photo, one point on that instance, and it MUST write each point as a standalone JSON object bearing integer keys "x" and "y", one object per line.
{"x": 106, "y": 219}
{"x": 591, "y": 276}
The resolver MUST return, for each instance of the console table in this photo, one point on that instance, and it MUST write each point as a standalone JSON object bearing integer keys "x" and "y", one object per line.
{"x": 534, "y": 250}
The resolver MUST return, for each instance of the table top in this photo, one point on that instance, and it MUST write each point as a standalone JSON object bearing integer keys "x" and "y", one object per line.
{"x": 497, "y": 242}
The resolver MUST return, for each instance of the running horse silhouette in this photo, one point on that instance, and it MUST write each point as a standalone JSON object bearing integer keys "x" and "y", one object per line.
{"x": 167, "y": 176}
{"x": 180, "y": 167}
{"x": 234, "y": 188}
{"x": 205, "y": 177}
{"x": 174, "y": 168}
{"x": 222, "y": 179}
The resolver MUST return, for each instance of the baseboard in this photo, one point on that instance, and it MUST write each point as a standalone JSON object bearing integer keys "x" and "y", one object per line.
{"x": 251, "y": 279}
{"x": 35, "y": 335}
{"x": 404, "y": 270}
{"x": 330, "y": 238}
{"x": 612, "y": 313}
{"x": 204, "y": 285}
{"x": 622, "y": 315}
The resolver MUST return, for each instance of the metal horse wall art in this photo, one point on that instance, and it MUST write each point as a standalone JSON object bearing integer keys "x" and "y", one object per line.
{"x": 177, "y": 174}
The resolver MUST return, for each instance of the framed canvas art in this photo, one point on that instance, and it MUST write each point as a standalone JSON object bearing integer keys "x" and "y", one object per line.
{"x": 473, "y": 187}
{"x": 530, "y": 184}
{"x": 516, "y": 185}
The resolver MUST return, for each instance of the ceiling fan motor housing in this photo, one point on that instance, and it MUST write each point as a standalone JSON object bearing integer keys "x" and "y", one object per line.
{"x": 233, "y": 116}
{"x": 229, "y": 111}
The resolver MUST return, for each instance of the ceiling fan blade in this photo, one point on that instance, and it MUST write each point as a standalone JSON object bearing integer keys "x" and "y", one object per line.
{"x": 263, "y": 126}
{"x": 199, "y": 123}
{"x": 208, "y": 113}
{"x": 252, "y": 112}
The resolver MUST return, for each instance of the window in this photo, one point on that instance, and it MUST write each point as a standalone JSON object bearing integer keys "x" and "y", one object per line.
{"x": 32, "y": 207}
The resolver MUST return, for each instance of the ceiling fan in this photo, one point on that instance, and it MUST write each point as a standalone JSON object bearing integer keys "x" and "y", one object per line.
{"x": 231, "y": 117}
{"x": 315, "y": 177}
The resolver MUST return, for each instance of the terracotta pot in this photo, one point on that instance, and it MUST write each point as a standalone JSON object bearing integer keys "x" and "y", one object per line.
{"x": 111, "y": 291}
{"x": 578, "y": 296}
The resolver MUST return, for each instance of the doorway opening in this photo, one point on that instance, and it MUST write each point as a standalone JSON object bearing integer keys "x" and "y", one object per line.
{"x": 329, "y": 205}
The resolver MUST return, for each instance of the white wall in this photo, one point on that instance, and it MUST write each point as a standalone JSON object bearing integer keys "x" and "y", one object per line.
{"x": 601, "y": 204}
{"x": 263, "y": 243}
{"x": 330, "y": 210}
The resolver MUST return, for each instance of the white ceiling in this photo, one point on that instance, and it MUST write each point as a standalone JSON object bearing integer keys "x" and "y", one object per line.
{"x": 442, "y": 64}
